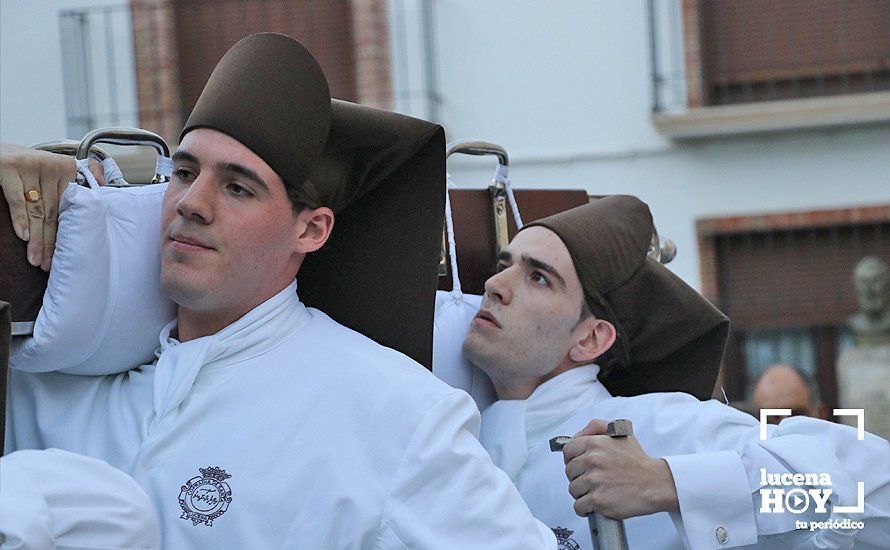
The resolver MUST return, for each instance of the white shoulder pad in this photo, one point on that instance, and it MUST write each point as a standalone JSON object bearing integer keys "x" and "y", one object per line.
{"x": 454, "y": 313}
{"x": 103, "y": 308}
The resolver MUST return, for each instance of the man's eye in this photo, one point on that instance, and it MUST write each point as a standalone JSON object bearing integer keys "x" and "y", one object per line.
{"x": 238, "y": 190}
{"x": 182, "y": 174}
{"x": 500, "y": 267}
{"x": 540, "y": 279}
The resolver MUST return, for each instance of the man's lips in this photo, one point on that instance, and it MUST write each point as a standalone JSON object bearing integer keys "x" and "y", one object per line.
{"x": 183, "y": 242}
{"x": 485, "y": 318}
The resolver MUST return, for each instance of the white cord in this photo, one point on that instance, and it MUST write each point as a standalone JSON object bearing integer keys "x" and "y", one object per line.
{"x": 83, "y": 168}
{"x": 164, "y": 166}
{"x": 452, "y": 247}
{"x": 111, "y": 170}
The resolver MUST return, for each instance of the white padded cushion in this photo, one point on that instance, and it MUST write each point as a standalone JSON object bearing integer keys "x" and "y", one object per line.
{"x": 454, "y": 313}
{"x": 103, "y": 308}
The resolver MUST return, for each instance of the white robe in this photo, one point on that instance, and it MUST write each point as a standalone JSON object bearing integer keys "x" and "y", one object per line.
{"x": 717, "y": 487}
{"x": 56, "y": 499}
{"x": 286, "y": 429}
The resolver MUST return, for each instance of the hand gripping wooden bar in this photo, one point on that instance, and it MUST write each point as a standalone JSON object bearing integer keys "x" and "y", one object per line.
{"x": 606, "y": 533}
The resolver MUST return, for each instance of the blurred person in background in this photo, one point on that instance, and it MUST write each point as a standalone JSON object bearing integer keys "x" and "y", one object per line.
{"x": 788, "y": 387}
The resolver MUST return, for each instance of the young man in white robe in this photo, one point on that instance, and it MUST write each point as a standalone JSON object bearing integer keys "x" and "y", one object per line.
{"x": 576, "y": 309}
{"x": 264, "y": 423}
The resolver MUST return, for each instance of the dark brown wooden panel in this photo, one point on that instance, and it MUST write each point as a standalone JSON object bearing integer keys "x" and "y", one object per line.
{"x": 21, "y": 284}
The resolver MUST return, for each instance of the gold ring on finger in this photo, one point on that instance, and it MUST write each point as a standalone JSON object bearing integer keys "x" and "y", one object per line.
{"x": 33, "y": 195}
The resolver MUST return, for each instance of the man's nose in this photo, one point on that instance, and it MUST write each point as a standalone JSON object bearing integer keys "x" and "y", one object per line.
{"x": 197, "y": 202}
{"x": 498, "y": 286}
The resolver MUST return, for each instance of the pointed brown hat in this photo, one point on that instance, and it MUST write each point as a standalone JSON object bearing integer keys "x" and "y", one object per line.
{"x": 271, "y": 95}
{"x": 670, "y": 338}
{"x": 382, "y": 173}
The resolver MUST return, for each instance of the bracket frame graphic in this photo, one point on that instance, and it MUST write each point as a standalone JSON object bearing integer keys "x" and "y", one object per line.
{"x": 860, "y": 435}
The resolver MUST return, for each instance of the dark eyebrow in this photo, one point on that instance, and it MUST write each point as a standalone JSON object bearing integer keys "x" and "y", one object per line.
{"x": 545, "y": 267}
{"x": 505, "y": 256}
{"x": 185, "y": 156}
{"x": 242, "y": 171}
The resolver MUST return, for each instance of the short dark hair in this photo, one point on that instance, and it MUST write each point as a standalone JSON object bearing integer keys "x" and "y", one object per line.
{"x": 302, "y": 197}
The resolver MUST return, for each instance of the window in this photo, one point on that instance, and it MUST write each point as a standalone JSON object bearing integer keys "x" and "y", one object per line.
{"x": 740, "y": 66}
{"x": 98, "y": 69}
{"x": 786, "y": 282}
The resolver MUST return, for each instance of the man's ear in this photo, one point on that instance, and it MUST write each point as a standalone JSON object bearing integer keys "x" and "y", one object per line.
{"x": 314, "y": 226}
{"x": 597, "y": 336}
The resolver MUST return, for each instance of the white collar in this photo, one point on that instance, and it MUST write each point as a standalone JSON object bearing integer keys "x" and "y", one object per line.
{"x": 257, "y": 331}
{"x": 510, "y": 428}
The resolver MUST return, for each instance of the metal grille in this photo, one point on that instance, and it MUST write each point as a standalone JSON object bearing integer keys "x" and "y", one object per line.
{"x": 781, "y": 279}
{"x": 98, "y": 67}
{"x": 763, "y": 50}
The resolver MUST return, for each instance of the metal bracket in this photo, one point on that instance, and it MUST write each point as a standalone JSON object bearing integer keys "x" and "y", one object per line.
{"x": 122, "y": 135}
{"x": 497, "y": 190}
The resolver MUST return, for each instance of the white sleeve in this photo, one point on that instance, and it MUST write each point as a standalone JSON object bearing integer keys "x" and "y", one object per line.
{"x": 715, "y": 500}
{"x": 52, "y": 410}
{"x": 720, "y": 491}
{"x": 91, "y": 415}
{"x": 55, "y": 498}
{"x": 448, "y": 494}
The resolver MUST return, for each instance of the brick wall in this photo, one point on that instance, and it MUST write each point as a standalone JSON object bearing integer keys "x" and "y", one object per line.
{"x": 372, "y": 55}
{"x": 157, "y": 68}
{"x": 696, "y": 95}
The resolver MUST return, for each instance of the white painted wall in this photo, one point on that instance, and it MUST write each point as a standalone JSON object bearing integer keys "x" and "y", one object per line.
{"x": 566, "y": 88}
{"x": 32, "y": 93}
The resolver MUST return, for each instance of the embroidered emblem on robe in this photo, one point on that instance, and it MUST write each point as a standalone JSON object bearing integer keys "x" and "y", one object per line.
{"x": 563, "y": 540}
{"x": 205, "y": 497}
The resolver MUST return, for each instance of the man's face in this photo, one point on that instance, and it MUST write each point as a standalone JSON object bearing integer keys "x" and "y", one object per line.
{"x": 526, "y": 325}
{"x": 782, "y": 388}
{"x": 227, "y": 228}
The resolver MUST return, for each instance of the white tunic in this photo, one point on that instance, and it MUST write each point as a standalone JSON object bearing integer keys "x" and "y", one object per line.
{"x": 57, "y": 499}
{"x": 286, "y": 429}
{"x": 717, "y": 487}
